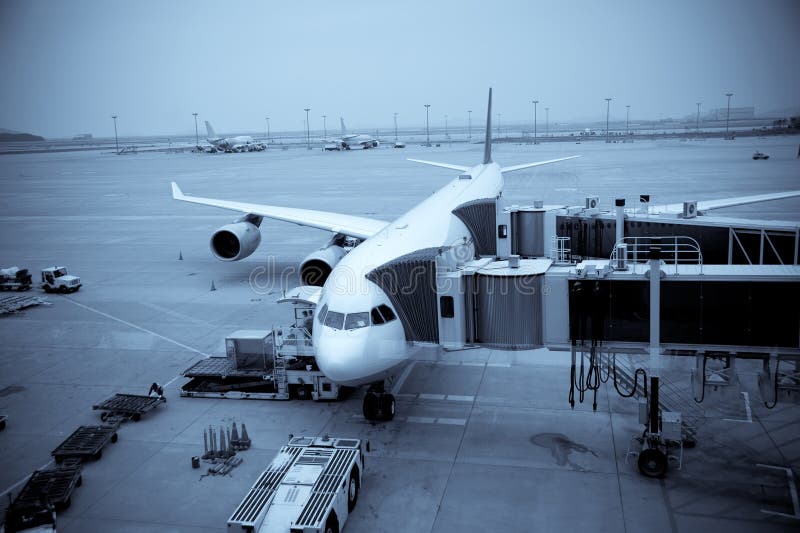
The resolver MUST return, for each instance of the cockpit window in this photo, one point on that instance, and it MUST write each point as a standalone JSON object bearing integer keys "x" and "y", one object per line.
{"x": 382, "y": 314}
{"x": 356, "y": 320}
{"x": 388, "y": 314}
{"x": 322, "y": 313}
{"x": 334, "y": 320}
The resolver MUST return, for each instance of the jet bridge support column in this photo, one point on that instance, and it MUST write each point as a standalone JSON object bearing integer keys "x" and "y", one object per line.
{"x": 653, "y": 459}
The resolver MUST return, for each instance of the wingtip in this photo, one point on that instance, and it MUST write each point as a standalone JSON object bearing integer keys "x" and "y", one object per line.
{"x": 176, "y": 191}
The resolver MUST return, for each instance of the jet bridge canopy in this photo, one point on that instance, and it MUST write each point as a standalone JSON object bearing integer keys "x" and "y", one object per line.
{"x": 410, "y": 283}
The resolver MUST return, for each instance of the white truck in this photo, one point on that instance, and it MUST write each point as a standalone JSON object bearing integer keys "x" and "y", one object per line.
{"x": 311, "y": 486}
{"x": 56, "y": 279}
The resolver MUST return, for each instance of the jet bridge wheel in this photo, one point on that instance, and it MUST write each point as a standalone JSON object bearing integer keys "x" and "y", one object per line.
{"x": 653, "y": 463}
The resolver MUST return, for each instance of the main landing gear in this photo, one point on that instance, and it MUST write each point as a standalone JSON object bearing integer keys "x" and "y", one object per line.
{"x": 379, "y": 405}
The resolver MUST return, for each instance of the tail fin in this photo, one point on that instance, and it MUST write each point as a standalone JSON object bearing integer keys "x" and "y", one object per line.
{"x": 487, "y": 149}
{"x": 210, "y": 130}
{"x": 344, "y": 130}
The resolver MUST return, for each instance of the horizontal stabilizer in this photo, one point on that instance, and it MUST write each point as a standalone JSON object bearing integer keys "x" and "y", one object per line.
{"x": 708, "y": 205}
{"x": 443, "y": 165}
{"x": 536, "y": 164}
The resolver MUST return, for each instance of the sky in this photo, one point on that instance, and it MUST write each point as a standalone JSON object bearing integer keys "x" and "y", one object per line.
{"x": 68, "y": 66}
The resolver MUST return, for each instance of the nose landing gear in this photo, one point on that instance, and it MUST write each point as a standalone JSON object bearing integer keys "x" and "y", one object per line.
{"x": 378, "y": 405}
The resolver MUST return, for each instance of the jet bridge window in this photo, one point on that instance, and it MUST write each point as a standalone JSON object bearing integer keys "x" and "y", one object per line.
{"x": 334, "y": 320}
{"x": 356, "y": 320}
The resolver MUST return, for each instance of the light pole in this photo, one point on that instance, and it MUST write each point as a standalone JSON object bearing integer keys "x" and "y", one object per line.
{"x": 116, "y": 140}
{"x": 427, "y": 125}
{"x": 196, "y": 136}
{"x": 308, "y": 130}
{"x": 728, "y": 116}
{"x": 498, "y": 124}
{"x": 608, "y": 107}
{"x": 395, "y": 127}
{"x": 698, "y": 118}
{"x": 627, "y": 120}
{"x": 469, "y": 124}
{"x": 546, "y": 121}
{"x": 268, "y": 135}
{"x": 446, "y": 134}
{"x": 535, "y": 103}
{"x": 324, "y": 127}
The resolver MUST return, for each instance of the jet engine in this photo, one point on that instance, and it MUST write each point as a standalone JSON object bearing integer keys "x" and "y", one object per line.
{"x": 317, "y": 266}
{"x": 236, "y": 241}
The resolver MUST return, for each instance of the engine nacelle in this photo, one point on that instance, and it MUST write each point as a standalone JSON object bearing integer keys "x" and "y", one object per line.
{"x": 236, "y": 241}
{"x": 317, "y": 266}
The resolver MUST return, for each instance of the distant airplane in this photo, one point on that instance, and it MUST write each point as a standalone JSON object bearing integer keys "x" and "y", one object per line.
{"x": 240, "y": 143}
{"x": 351, "y": 141}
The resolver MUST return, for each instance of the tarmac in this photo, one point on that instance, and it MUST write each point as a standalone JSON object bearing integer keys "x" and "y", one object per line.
{"x": 484, "y": 440}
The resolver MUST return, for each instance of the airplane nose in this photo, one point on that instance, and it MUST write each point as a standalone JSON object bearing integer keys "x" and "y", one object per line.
{"x": 341, "y": 357}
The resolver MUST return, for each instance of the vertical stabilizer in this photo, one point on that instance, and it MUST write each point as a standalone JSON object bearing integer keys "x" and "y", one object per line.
{"x": 210, "y": 130}
{"x": 344, "y": 130}
{"x": 487, "y": 149}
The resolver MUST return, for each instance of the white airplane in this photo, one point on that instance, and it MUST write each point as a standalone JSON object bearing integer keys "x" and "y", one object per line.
{"x": 360, "y": 335}
{"x": 351, "y": 141}
{"x": 240, "y": 143}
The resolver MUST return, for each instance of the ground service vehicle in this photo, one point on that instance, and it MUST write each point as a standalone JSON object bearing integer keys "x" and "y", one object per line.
{"x": 56, "y": 279}
{"x": 311, "y": 486}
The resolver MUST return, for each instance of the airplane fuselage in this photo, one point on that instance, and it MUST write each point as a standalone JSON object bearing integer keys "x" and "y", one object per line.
{"x": 374, "y": 351}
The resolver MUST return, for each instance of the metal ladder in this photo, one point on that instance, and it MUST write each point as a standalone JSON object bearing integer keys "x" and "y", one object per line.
{"x": 279, "y": 367}
{"x": 671, "y": 397}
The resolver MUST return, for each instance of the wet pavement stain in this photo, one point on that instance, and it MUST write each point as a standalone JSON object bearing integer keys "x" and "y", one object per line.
{"x": 561, "y": 447}
{"x": 11, "y": 389}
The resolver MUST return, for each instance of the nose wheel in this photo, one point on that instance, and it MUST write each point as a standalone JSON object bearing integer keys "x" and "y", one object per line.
{"x": 378, "y": 406}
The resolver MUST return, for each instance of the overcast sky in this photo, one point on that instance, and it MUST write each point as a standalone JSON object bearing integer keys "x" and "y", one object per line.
{"x": 68, "y": 66}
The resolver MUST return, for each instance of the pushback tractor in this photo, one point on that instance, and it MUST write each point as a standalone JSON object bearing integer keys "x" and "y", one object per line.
{"x": 311, "y": 486}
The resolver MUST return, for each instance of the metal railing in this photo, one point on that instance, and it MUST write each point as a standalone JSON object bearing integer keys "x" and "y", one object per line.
{"x": 560, "y": 252}
{"x": 677, "y": 250}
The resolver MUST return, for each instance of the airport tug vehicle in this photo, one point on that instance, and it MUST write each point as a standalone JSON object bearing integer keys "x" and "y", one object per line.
{"x": 57, "y": 279}
{"x": 311, "y": 486}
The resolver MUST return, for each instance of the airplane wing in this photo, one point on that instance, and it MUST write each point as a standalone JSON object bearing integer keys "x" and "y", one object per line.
{"x": 708, "y": 205}
{"x": 443, "y": 165}
{"x": 349, "y": 225}
{"x": 512, "y": 168}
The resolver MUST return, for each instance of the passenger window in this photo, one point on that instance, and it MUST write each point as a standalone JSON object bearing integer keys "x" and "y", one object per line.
{"x": 356, "y": 320}
{"x": 388, "y": 314}
{"x": 334, "y": 320}
{"x": 321, "y": 315}
{"x": 377, "y": 319}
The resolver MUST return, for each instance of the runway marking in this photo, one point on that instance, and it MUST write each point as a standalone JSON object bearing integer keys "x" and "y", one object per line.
{"x": 134, "y": 326}
{"x": 747, "y": 411}
{"x": 442, "y": 421}
{"x": 467, "y": 363}
{"x": 439, "y": 397}
{"x": 144, "y": 330}
{"x": 24, "y": 479}
{"x": 403, "y": 377}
